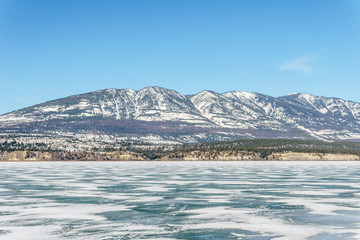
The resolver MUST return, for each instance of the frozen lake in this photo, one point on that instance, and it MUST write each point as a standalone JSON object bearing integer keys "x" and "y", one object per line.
{"x": 180, "y": 200}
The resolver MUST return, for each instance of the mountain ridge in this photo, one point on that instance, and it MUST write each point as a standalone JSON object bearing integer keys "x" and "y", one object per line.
{"x": 167, "y": 115}
{"x": 186, "y": 95}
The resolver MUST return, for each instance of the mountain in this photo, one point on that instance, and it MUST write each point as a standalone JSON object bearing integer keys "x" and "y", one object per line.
{"x": 155, "y": 114}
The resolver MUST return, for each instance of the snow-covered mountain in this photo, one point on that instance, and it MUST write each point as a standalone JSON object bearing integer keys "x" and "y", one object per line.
{"x": 166, "y": 115}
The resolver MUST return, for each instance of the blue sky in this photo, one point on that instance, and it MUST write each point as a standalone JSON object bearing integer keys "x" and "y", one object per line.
{"x": 51, "y": 49}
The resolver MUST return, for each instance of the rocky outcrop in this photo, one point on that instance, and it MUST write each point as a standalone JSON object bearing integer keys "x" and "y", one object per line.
{"x": 296, "y": 156}
{"x": 212, "y": 156}
{"x": 70, "y": 156}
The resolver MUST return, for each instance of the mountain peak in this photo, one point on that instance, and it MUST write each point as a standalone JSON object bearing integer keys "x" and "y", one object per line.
{"x": 157, "y": 88}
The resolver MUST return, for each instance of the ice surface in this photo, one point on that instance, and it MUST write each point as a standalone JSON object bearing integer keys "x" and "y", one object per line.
{"x": 180, "y": 200}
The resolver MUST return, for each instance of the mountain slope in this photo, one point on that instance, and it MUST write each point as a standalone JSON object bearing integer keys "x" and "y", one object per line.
{"x": 166, "y": 115}
{"x": 148, "y": 104}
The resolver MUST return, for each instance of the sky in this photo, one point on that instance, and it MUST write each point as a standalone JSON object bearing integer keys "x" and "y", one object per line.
{"x": 55, "y": 48}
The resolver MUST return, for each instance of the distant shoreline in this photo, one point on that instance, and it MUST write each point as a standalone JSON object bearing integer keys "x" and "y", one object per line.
{"x": 191, "y": 156}
{"x": 26, "y": 161}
